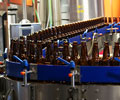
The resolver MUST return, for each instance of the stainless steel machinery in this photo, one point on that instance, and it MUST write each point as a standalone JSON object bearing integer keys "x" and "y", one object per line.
{"x": 65, "y": 82}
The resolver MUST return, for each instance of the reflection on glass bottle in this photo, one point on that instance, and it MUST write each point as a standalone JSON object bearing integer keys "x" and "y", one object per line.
{"x": 116, "y": 54}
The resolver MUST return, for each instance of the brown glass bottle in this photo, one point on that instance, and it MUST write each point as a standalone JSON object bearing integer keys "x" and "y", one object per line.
{"x": 15, "y": 48}
{"x": 106, "y": 55}
{"x": 55, "y": 54}
{"x": 22, "y": 38}
{"x": 32, "y": 57}
{"x": 35, "y": 37}
{"x": 39, "y": 56}
{"x": 74, "y": 55}
{"x": 110, "y": 21}
{"x": 22, "y": 49}
{"x": 105, "y": 19}
{"x": 48, "y": 53}
{"x": 115, "y": 19}
{"x": 95, "y": 61}
{"x": 84, "y": 56}
{"x": 11, "y": 50}
{"x": 28, "y": 49}
{"x": 116, "y": 54}
{"x": 65, "y": 53}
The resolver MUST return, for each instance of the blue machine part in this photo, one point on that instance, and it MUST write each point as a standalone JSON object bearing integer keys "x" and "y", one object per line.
{"x": 44, "y": 72}
{"x": 100, "y": 74}
{"x": 93, "y": 74}
{"x": 71, "y": 64}
{"x": 89, "y": 34}
{"x": 24, "y": 63}
{"x": 53, "y": 73}
{"x": 13, "y": 69}
{"x": 76, "y": 38}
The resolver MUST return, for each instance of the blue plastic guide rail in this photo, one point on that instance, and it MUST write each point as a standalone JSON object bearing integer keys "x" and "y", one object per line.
{"x": 71, "y": 63}
{"x": 23, "y": 62}
{"x": 117, "y": 59}
{"x": 84, "y": 34}
{"x": 96, "y": 30}
{"x": 110, "y": 25}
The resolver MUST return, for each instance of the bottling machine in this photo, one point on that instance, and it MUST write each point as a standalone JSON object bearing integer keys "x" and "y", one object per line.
{"x": 68, "y": 81}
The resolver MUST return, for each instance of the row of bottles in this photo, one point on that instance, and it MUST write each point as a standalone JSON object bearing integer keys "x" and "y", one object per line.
{"x": 110, "y": 20}
{"x": 66, "y": 31}
{"x": 32, "y": 51}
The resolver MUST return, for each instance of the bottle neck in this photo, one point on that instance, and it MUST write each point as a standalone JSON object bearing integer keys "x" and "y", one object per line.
{"x": 106, "y": 52}
{"x": 74, "y": 51}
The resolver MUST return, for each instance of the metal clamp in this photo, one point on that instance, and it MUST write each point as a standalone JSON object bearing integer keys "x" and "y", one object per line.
{"x": 73, "y": 71}
{"x": 25, "y": 72}
{"x": 25, "y": 76}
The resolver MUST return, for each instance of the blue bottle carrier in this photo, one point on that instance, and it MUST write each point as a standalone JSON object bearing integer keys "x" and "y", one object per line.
{"x": 57, "y": 73}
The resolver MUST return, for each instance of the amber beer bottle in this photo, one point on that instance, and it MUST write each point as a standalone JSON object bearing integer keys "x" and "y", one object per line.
{"x": 116, "y": 54}
{"x": 28, "y": 47}
{"x": 65, "y": 53}
{"x": 74, "y": 55}
{"x": 22, "y": 51}
{"x": 48, "y": 53}
{"x": 39, "y": 56}
{"x": 95, "y": 61}
{"x": 11, "y": 50}
{"x": 32, "y": 52}
{"x": 55, "y": 54}
{"x": 106, "y": 55}
{"x": 84, "y": 56}
{"x": 22, "y": 38}
{"x": 15, "y": 49}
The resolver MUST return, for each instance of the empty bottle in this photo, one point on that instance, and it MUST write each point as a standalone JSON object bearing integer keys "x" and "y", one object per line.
{"x": 55, "y": 54}
{"x": 95, "y": 61}
{"x": 15, "y": 49}
{"x": 39, "y": 56}
{"x": 48, "y": 53}
{"x": 106, "y": 55}
{"x": 74, "y": 55}
{"x": 116, "y": 54}
{"x": 11, "y": 50}
{"x": 84, "y": 56}
{"x": 32, "y": 56}
{"x": 65, "y": 53}
{"x": 22, "y": 49}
